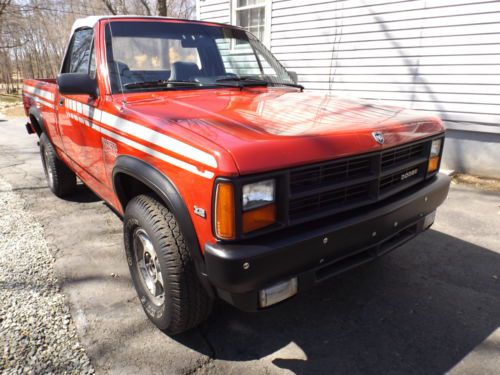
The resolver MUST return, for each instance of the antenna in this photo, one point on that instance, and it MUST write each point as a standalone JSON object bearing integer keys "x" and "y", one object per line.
{"x": 124, "y": 102}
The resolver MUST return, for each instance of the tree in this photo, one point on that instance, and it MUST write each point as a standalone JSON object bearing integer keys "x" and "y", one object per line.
{"x": 163, "y": 8}
{"x": 3, "y": 6}
{"x": 30, "y": 45}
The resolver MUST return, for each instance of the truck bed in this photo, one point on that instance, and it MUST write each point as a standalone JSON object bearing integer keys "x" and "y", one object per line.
{"x": 41, "y": 93}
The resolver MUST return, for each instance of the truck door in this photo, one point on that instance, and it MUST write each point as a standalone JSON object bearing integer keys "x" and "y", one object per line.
{"x": 80, "y": 136}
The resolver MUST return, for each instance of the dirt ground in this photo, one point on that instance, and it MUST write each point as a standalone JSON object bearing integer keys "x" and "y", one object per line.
{"x": 11, "y": 106}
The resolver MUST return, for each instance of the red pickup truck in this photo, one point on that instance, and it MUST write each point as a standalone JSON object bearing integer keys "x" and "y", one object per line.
{"x": 231, "y": 181}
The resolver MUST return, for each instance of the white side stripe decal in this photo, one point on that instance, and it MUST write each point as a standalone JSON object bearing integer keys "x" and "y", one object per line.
{"x": 131, "y": 128}
{"x": 40, "y": 92}
{"x": 144, "y": 133}
{"x": 179, "y": 163}
{"x": 41, "y": 101}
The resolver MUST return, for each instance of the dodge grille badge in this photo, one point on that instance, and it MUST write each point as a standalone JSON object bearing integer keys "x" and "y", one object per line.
{"x": 379, "y": 137}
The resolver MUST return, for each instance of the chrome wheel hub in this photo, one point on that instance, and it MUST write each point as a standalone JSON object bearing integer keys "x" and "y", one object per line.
{"x": 148, "y": 266}
{"x": 46, "y": 165}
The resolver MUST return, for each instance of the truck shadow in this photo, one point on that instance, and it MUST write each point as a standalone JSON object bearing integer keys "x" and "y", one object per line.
{"x": 82, "y": 194}
{"x": 420, "y": 309}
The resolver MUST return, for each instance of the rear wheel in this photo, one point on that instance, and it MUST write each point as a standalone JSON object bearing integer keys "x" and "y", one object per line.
{"x": 61, "y": 179}
{"x": 161, "y": 267}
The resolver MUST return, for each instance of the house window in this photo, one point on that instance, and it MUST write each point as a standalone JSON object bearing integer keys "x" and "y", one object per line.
{"x": 253, "y": 16}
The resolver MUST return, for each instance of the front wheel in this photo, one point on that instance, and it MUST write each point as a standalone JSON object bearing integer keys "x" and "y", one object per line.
{"x": 161, "y": 267}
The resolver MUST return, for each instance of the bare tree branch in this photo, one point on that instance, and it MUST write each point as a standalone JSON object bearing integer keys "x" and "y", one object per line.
{"x": 109, "y": 5}
{"x": 30, "y": 45}
{"x": 4, "y": 4}
{"x": 12, "y": 45}
{"x": 162, "y": 8}
{"x": 146, "y": 7}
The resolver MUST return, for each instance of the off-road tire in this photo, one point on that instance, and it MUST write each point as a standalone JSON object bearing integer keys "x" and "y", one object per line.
{"x": 185, "y": 302}
{"x": 61, "y": 179}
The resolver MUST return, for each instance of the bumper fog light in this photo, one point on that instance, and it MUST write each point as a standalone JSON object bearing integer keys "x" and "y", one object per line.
{"x": 429, "y": 219}
{"x": 278, "y": 292}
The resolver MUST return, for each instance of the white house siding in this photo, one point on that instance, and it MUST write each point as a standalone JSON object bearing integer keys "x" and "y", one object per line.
{"x": 438, "y": 56}
{"x": 213, "y": 10}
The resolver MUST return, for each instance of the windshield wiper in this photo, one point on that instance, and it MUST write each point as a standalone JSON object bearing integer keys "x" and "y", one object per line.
{"x": 147, "y": 84}
{"x": 259, "y": 82}
{"x": 240, "y": 83}
{"x": 288, "y": 84}
{"x": 243, "y": 81}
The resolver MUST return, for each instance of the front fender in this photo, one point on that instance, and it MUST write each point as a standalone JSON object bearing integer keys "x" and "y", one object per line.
{"x": 166, "y": 190}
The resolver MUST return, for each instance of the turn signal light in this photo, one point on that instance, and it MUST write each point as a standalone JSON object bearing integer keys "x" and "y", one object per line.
{"x": 259, "y": 218}
{"x": 433, "y": 164}
{"x": 224, "y": 211}
{"x": 434, "y": 155}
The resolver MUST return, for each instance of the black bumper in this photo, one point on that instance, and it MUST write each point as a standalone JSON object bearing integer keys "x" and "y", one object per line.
{"x": 317, "y": 252}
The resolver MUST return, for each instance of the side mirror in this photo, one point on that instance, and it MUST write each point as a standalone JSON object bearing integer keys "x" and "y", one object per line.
{"x": 77, "y": 84}
{"x": 294, "y": 76}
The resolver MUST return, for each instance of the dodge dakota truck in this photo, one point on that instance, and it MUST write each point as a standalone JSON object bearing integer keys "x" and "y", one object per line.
{"x": 231, "y": 180}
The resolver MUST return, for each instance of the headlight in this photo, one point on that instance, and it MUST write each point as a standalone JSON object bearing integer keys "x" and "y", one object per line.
{"x": 434, "y": 155}
{"x": 258, "y": 194}
{"x": 259, "y": 208}
{"x": 436, "y": 147}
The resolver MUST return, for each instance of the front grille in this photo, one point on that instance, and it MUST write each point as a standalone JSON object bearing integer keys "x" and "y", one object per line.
{"x": 335, "y": 186}
{"x": 401, "y": 155}
{"x": 329, "y": 173}
{"x": 329, "y": 199}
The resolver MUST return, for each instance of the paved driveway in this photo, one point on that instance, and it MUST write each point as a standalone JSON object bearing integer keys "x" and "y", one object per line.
{"x": 430, "y": 307}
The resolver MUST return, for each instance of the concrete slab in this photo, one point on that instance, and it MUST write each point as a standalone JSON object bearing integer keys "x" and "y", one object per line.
{"x": 431, "y": 307}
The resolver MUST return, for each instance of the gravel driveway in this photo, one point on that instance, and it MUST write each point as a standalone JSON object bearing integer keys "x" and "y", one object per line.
{"x": 36, "y": 330}
{"x": 431, "y": 307}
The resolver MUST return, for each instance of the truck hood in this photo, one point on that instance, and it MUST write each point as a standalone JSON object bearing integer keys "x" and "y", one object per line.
{"x": 268, "y": 129}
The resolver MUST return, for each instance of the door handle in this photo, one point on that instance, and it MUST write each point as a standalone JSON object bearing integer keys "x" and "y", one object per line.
{"x": 61, "y": 102}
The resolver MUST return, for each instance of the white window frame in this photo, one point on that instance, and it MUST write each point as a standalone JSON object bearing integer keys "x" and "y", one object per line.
{"x": 267, "y": 18}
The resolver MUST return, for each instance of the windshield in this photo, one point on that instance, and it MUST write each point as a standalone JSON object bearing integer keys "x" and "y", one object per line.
{"x": 146, "y": 56}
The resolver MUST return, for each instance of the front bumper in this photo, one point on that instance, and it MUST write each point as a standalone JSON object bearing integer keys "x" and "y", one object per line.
{"x": 315, "y": 252}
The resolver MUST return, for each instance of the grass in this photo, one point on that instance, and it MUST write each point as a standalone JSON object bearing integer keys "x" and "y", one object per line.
{"x": 11, "y": 99}
{"x": 11, "y": 105}
{"x": 483, "y": 183}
